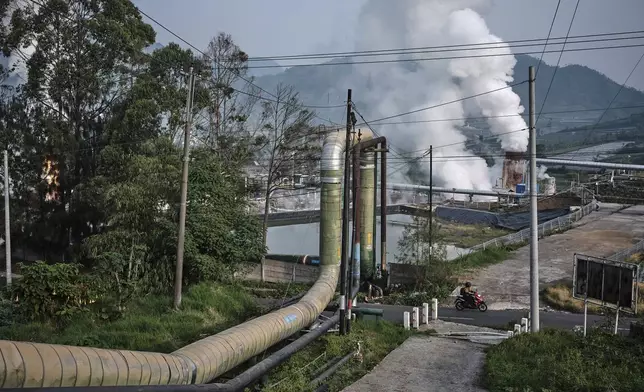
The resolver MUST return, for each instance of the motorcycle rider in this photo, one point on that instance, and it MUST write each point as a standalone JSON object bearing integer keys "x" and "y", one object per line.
{"x": 467, "y": 292}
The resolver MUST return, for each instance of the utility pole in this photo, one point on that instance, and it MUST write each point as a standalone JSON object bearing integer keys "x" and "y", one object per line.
{"x": 345, "y": 223}
{"x": 178, "y": 275}
{"x": 7, "y": 218}
{"x": 534, "y": 233}
{"x": 431, "y": 197}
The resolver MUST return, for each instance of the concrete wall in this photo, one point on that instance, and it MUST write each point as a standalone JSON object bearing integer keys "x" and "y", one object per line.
{"x": 404, "y": 273}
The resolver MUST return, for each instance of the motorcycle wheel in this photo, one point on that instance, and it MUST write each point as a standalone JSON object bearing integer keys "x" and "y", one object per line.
{"x": 459, "y": 305}
{"x": 482, "y": 307}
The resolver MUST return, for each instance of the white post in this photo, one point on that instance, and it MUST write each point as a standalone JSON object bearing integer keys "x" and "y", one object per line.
{"x": 434, "y": 309}
{"x": 616, "y": 320}
{"x": 7, "y": 219}
{"x": 406, "y": 320}
{"x": 534, "y": 219}
{"x": 585, "y": 316}
{"x": 425, "y": 313}
{"x": 510, "y": 334}
{"x": 517, "y": 329}
{"x": 524, "y": 324}
{"x": 415, "y": 318}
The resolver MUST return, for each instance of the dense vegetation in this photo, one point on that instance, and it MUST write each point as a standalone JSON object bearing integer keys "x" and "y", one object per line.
{"x": 554, "y": 360}
{"x": 94, "y": 129}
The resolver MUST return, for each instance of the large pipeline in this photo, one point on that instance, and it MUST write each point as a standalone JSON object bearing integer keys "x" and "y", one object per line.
{"x": 26, "y": 364}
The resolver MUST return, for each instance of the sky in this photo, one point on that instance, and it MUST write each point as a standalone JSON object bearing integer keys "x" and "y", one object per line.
{"x": 284, "y": 27}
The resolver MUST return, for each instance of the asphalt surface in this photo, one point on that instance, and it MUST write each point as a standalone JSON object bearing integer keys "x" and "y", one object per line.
{"x": 502, "y": 318}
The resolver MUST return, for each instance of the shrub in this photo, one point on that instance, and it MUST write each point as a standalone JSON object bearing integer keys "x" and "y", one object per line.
{"x": 51, "y": 291}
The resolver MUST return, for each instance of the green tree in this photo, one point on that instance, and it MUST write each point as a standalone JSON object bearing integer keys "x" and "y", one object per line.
{"x": 81, "y": 64}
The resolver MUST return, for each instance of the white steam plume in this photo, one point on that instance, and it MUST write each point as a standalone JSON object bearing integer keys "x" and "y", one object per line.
{"x": 386, "y": 89}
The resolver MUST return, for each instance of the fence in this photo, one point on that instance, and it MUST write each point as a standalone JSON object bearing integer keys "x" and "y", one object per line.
{"x": 626, "y": 253}
{"x": 275, "y": 271}
{"x": 550, "y": 227}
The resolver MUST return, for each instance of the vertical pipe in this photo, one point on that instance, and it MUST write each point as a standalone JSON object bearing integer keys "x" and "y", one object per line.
{"x": 375, "y": 214}
{"x": 367, "y": 217}
{"x": 534, "y": 233}
{"x": 357, "y": 227}
{"x": 7, "y": 219}
{"x": 431, "y": 201}
{"x": 383, "y": 208}
{"x": 345, "y": 222}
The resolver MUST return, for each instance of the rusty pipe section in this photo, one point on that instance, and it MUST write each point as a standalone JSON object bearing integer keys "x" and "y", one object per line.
{"x": 24, "y": 364}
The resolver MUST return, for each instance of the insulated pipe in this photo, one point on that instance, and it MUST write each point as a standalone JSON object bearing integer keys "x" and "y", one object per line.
{"x": 48, "y": 365}
{"x": 367, "y": 213}
{"x": 357, "y": 223}
{"x": 453, "y": 190}
{"x": 599, "y": 165}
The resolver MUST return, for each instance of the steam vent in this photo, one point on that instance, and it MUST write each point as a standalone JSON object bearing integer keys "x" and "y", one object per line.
{"x": 513, "y": 169}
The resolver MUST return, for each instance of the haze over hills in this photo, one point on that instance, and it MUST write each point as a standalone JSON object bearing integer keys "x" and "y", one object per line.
{"x": 575, "y": 87}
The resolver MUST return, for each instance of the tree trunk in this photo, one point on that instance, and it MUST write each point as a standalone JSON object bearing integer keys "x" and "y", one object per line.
{"x": 267, "y": 207}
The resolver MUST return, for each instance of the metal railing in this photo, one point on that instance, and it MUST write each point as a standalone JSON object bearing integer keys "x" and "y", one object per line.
{"x": 556, "y": 225}
{"x": 623, "y": 255}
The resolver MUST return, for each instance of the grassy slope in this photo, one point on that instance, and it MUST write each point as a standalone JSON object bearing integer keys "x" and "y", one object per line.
{"x": 562, "y": 361}
{"x": 149, "y": 324}
{"x": 376, "y": 339}
{"x": 466, "y": 236}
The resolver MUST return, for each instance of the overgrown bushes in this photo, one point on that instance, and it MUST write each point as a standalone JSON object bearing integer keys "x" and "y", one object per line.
{"x": 150, "y": 324}
{"x": 555, "y": 360}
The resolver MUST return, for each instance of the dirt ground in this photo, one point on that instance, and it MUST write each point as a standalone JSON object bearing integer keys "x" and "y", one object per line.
{"x": 602, "y": 233}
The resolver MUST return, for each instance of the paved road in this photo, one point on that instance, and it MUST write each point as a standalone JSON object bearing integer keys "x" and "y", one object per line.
{"x": 502, "y": 318}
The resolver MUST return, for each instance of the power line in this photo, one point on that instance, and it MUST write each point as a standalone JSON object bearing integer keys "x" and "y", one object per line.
{"x": 614, "y": 97}
{"x": 498, "y": 116}
{"x": 572, "y": 19}
{"x": 534, "y": 41}
{"x": 328, "y": 64}
{"x": 447, "y": 103}
{"x": 554, "y": 17}
{"x": 221, "y": 65}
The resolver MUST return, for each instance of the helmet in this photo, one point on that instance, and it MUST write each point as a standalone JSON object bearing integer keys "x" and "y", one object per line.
{"x": 468, "y": 284}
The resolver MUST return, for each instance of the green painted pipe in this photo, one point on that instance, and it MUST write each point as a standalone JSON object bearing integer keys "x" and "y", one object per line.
{"x": 24, "y": 364}
{"x": 367, "y": 210}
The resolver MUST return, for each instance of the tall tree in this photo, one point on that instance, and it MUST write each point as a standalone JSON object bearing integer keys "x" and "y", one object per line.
{"x": 233, "y": 98}
{"x": 289, "y": 140}
{"x": 80, "y": 66}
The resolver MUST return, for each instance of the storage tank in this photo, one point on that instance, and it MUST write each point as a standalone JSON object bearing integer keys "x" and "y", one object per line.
{"x": 550, "y": 186}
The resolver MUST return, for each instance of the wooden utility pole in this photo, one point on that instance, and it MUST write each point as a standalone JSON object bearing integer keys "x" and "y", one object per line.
{"x": 7, "y": 219}
{"x": 178, "y": 275}
{"x": 534, "y": 233}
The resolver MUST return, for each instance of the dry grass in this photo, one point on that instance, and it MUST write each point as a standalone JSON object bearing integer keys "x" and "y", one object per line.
{"x": 466, "y": 236}
{"x": 560, "y": 297}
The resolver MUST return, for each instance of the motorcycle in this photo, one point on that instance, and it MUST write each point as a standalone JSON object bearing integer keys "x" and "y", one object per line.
{"x": 479, "y": 303}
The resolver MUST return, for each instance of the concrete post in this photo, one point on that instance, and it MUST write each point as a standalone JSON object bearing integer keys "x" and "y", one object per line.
{"x": 524, "y": 324}
{"x": 415, "y": 318}
{"x": 517, "y": 329}
{"x": 406, "y": 320}
{"x": 425, "y": 313}
{"x": 434, "y": 309}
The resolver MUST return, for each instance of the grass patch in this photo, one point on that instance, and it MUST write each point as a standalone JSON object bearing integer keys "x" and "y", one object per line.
{"x": 467, "y": 236}
{"x": 484, "y": 258}
{"x": 554, "y": 360}
{"x": 149, "y": 324}
{"x": 560, "y": 297}
{"x": 376, "y": 340}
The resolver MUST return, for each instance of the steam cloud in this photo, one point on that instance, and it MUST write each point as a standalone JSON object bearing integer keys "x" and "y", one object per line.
{"x": 386, "y": 89}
